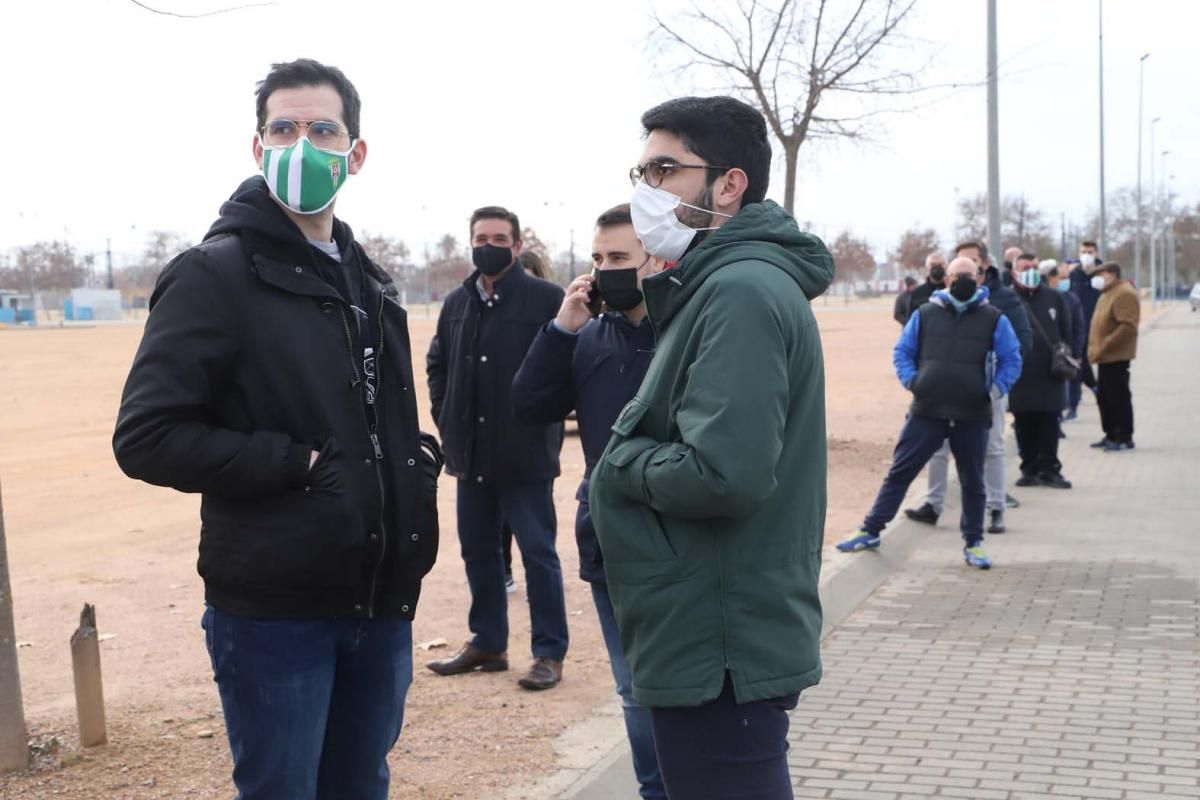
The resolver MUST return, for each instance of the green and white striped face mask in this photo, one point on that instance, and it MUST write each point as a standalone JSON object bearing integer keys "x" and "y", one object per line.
{"x": 304, "y": 178}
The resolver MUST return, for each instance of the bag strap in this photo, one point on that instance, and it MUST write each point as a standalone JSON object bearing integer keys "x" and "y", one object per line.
{"x": 1037, "y": 324}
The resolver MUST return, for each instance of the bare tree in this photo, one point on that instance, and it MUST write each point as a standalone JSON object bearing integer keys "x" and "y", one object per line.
{"x": 793, "y": 59}
{"x": 914, "y": 246}
{"x": 852, "y": 257}
{"x": 1020, "y": 226}
{"x": 14, "y": 741}
{"x": 389, "y": 254}
{"x": 161, "y": 247}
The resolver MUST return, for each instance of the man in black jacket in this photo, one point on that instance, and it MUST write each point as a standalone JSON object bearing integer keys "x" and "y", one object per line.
{"x": 1081, "y": 286}
{"x": 505, "y": 467}
{"x": 1038, "y": 397}
{"x": 935, "y": 280}
{"x": 274, "y": 377}
{"x": 900, "y": 310}
{"x": 593, "y": 366}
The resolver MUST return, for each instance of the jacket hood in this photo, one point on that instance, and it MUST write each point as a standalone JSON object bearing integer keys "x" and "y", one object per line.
{"x": 252, "y": 210}
{"x": 943, "y": 298}
{"x": 760, "y": 232}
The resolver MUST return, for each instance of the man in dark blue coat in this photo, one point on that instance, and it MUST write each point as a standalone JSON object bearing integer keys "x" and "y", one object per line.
{"x": 1081, "y": 287}
{"x": 593, "y": 366}
{"x": 505, "y": 468}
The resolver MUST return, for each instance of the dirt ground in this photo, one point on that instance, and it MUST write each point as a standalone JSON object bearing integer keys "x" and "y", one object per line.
{"x": 79, "y": 531}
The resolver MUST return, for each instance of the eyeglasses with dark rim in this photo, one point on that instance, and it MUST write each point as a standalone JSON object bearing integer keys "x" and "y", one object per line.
{"x": 322, "y": 133}
{"x": 655, "y": 171}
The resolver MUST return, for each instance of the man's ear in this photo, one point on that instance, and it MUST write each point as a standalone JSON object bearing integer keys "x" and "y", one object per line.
{"x": 729, "y": 190}
{"x": 358, "y": 155}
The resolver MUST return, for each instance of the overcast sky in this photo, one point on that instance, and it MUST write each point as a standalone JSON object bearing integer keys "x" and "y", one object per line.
{"x": 123, "y": 121}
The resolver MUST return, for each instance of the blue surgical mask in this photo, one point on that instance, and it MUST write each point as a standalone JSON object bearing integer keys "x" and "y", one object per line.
{"x": 1064, "y": 286}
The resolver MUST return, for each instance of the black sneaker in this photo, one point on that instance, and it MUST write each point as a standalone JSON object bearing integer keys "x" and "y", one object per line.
{"x": 1029, "y": 480}
{"x": 1053, "y": 480}
{"x": 1100, "y": 444}
{"x": 925, "y": 514}
{"x": 997, "y": 524}
{"x": 1116, "y": 447}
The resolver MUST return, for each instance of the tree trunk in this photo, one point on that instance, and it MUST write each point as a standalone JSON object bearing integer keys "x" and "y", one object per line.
{"x": 791, "y": 154}
{"x": 14, "y": 740}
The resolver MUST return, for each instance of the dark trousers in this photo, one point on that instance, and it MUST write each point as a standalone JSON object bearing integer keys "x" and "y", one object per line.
{"x": 920, "y": 439}
{"x": 638, "y": 726}
{"x": 529, "y": 509}
{"x": 507, "y": 536}
{"x": 1075, "y": 387}
{"x": 1037, "y": 442}
{"x": 1116, "y": 402}
{"x": 312, "y": 707}
{"x": 725, "y": 750}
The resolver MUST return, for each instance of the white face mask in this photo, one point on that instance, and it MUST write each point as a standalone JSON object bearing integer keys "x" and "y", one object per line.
{"x": 1087, "y": 260}
{"x": 662, "y": 234}
{"x": 1098, "y": 283}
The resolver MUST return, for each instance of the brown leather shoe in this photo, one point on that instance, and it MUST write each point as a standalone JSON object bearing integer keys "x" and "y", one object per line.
{"x": 545, "y": 673}
{"x": 469, "y": 659}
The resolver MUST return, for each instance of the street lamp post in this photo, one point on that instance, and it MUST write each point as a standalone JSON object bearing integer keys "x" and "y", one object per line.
{"x": 1103, "y": 240}
{"x": 1153, "y": 218}
{"x": 1137, "y": 240}
{"x": 993, "y": 135}
{"x": 1165, "y": 283}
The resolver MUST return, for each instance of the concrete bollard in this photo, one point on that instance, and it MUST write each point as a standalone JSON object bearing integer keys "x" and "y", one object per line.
{"x": 89, "y": 687}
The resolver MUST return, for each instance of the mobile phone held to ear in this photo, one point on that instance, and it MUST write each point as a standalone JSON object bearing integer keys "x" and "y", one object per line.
{"x": 594, "y": 298}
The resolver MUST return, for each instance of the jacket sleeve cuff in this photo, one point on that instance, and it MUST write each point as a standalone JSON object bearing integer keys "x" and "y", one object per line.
{"x": 295, "y": 467}
{"x": 556, "y": 331}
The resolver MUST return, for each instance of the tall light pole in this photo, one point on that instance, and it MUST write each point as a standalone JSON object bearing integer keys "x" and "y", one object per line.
{"x": 1164, "y": 283}
{"x": 993, "y": 136}
{"x": 1103, "y": 241}
{"x": 1137, "y": 239}
{"x": 1153, "y": 217}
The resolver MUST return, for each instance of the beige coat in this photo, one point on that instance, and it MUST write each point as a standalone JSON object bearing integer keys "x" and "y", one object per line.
{"x": 1114, "y": 330}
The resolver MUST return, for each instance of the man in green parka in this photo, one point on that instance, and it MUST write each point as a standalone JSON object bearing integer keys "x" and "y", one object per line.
{"x": 709, "y": 501}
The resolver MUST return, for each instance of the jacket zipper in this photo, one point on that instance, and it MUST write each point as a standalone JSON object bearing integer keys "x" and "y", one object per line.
{"x": 374, "y": 429}
{"x": 372, "y": 434}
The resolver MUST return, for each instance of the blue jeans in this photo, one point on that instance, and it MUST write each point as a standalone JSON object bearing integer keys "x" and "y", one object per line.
{"x": 920, "y": 439}
{"x": 638, "y": 725}
{"x": 529, "y": 511}
{"x": 312, "y": 707}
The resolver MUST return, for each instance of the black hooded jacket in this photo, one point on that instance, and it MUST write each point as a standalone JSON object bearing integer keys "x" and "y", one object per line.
{"x": 253, "y": 358}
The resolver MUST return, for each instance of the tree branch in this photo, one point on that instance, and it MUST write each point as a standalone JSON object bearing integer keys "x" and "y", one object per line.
{"x": 203, "y": 14}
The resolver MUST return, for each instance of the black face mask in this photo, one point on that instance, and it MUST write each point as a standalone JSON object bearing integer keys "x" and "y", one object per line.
{"x": 937, "y": 274}
{"x": 490, "y": 259}
{"x": 619, "y": 288}
{"x": 963, "y": 288}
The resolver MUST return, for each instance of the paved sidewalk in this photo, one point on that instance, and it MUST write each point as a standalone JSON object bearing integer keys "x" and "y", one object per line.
{"x": 1072, "y": 668}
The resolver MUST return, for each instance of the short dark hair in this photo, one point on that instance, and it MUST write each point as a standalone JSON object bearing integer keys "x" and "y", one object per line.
{"x": 534, "y": 263}
{"x": 617, "y": 215}
{"x": 306, "y": 72}
{"x": 1089, "y": 243}
{"x": 723, "y": 131}
{"x": 497, "y": 212}
{"x": 1027, "y": 257}
{"x": 1114, "y": 268}
{"x": 909, "y": 280}
{"x": 980, "y": 246}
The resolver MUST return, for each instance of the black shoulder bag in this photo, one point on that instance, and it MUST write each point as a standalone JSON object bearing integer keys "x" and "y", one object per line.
{"x": 1063, "y": 365}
